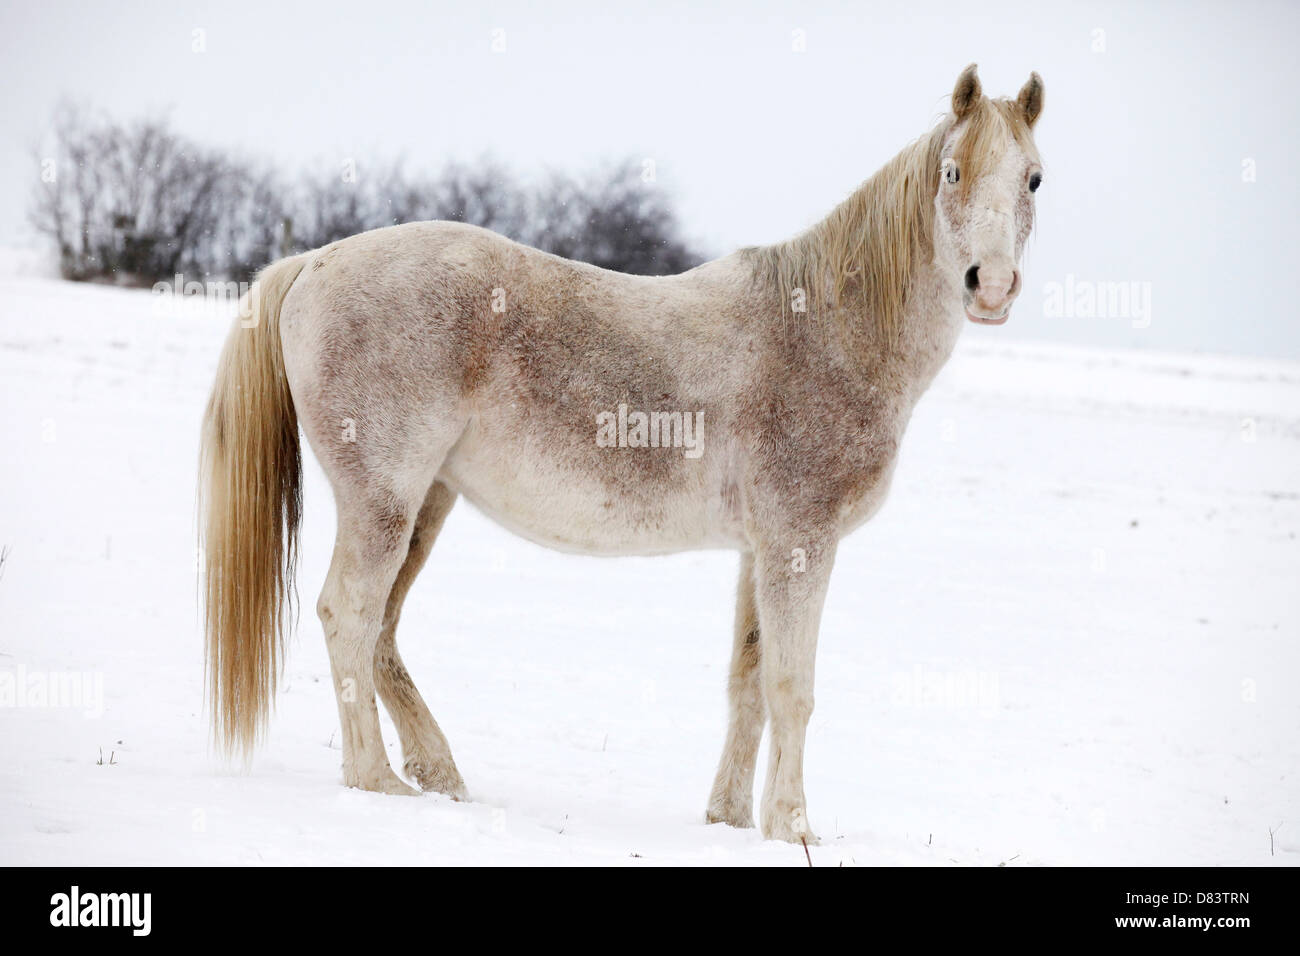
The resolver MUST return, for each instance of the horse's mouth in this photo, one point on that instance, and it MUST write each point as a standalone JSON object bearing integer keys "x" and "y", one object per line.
{"x": 980, "y": 320}
{"x": 998, "y": 319}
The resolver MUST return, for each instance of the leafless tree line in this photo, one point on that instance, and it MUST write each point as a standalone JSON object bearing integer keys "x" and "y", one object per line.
{"x": 135, "y": 202}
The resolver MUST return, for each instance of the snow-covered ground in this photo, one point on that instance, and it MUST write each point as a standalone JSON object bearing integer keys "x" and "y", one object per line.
{"x": 1069, "y": 638}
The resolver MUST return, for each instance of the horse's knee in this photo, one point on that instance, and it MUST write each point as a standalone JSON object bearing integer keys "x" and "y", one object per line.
{"x": 791, "y": 700}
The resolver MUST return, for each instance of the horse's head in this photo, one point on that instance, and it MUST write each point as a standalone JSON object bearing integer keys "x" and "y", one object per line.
{"x": 985, "y": 202}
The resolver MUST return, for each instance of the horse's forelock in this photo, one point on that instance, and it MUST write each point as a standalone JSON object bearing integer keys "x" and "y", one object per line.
{"x": 990, "y": 129}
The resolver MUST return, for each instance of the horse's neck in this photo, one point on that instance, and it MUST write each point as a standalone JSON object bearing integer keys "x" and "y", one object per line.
{"x": 923, "y": 342}
{"x": 930, "y": 326}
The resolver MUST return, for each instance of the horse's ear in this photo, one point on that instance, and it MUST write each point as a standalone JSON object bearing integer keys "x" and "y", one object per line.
{"x": 966, "y": 93}
{"x": 1030, "y": 99}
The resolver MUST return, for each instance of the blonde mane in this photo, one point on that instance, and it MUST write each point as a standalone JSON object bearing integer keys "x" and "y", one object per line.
{"x": 870, "y": 244}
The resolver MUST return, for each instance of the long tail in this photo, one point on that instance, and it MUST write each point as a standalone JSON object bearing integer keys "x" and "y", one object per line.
{"x": 250, "y": 505}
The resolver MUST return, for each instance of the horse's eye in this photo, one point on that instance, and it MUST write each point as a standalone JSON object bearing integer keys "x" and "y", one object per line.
{"x": 950, "y": 172}
{"x": 1035, "y": 181}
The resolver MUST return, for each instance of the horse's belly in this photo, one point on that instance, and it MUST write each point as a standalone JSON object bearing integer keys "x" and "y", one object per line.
{"x": 557, "y": 503}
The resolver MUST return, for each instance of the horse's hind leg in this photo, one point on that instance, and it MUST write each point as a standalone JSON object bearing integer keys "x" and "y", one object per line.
{"x": 371, "y": 546}
{"x": 427, "y": 756}
{"x": 732, "y": 799}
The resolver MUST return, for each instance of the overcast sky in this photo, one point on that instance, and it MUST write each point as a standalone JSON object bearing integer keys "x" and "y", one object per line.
{"x": 1158, "y": 116}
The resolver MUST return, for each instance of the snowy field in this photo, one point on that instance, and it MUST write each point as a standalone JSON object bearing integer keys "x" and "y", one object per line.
{"x": 1069, "y": 638}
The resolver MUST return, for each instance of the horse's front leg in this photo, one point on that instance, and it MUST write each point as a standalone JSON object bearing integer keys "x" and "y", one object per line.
{"x": 791, "y": 576}
{"x": 732, "y": 798}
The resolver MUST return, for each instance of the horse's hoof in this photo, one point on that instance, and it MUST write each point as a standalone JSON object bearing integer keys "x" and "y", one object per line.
{"x": 383, "y": 782}
{"x": 441, "y": 778}
{"x": 791, "y": 827}
{"x": 737, "y": 815}
{"x": 788, "y": 835}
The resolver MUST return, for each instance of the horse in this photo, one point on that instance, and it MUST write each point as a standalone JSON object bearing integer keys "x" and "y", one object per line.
{"x": 429, "y": 361}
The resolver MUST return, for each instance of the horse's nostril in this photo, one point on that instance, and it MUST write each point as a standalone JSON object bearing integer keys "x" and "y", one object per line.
{"x": 972, "y": 278}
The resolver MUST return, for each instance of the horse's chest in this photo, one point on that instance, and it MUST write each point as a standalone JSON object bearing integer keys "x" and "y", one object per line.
{"x": 859, "y": 479}
{"x": 858, "y": 508}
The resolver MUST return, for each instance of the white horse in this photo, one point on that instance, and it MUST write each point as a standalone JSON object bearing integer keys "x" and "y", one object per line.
{"x": 756, "y": 402}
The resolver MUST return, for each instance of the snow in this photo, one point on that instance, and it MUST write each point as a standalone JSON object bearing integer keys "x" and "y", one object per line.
{"x": 1069, "y": 638}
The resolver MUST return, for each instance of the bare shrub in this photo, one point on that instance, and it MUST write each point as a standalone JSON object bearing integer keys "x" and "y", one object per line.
{"x": 138, "y": 203}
